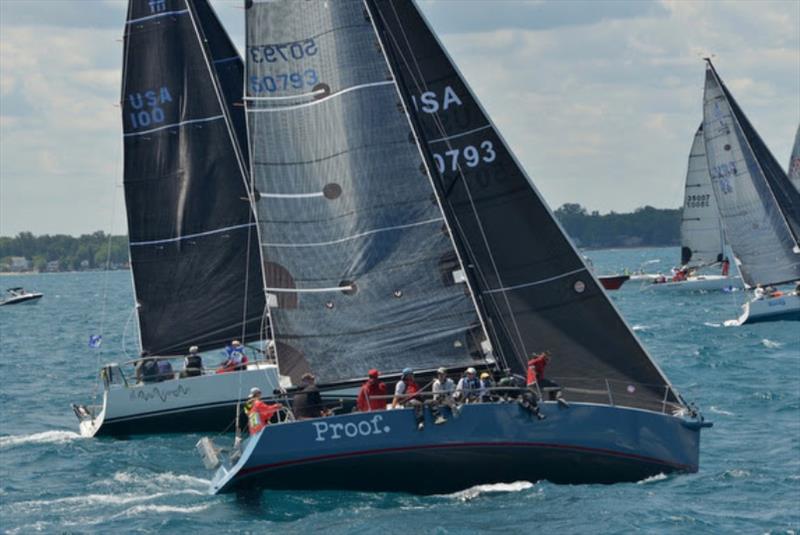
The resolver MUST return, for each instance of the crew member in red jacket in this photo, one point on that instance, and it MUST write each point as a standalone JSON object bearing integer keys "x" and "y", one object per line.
{"x": 372, "y": 396}
{"x": 258, "y": 412}
{"x": 536, "y": 366}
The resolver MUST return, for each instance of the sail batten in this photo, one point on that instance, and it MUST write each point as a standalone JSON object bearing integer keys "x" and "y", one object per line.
{"x": 758, "y": 205}
{"x": 193, "y": 240}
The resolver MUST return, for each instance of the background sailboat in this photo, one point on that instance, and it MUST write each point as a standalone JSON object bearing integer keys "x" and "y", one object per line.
{"x": 193, "y": 239}
{"x": 702, "y": 236}
{"x": 793, "y": 171}
{"x": 760, "y": 208}
{"x": 400, "y": 231}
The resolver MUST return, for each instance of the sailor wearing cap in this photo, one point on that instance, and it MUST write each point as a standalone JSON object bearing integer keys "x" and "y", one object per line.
{"x": 193, "y": 363}
{"x": 258, "y": 412}
{"x": 372, "y": 396}
{"x": 404, "y": 392}
{"x": 468, "y": 389}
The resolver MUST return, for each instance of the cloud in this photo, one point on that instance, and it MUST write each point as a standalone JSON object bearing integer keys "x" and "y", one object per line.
{"x": 599, "y": 100}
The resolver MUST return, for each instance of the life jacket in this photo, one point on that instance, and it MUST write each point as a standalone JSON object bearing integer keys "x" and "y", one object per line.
{"x": 194, "y": 361}
{"x": 259, "y": 414}
{"x": 411, "y": 388}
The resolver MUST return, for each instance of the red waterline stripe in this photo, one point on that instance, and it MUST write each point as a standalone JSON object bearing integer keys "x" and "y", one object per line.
{"x": 612, "y": 453}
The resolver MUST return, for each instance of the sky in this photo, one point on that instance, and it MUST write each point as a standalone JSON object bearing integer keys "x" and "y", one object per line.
{"x": 599, "y": 100}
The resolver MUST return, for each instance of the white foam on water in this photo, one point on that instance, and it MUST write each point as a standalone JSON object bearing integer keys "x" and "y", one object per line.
{"x": 652, "y": 479}
{"x": 166, "y": 479}
{"x": 715, "y": 410}
{"x": 638, "y": 327}
{"x": 766, "y": 342}
{"x": 46, "y": 437}
{"x": 710, "y": 324}
{"x": 148, "y": 509}
{"x": 473, "y": 492}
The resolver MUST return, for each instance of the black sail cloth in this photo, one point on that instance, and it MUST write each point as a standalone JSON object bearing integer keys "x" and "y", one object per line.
{"x": 193, "y": 238}
{"x": 534, "y": 289}
{"x": 356, "y": 249}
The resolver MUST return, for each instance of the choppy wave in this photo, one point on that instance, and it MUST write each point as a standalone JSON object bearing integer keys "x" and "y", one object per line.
{"x": 652, "y": 479}
{"x": 717, "y": 410}
{"x": 141, "y": 509}
{"x": 46, "y": 437}
{"x": 161, "y": 479}
{"x": 473, "y": 492}
{"x": 638, "y": 327}
{"x": 770, "y": 344}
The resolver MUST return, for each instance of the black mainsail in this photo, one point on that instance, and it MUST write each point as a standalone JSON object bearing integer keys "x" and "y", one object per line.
{"x": 359, "y": 261}
{"x": 532, "y": 285}
{"x": 193, "y": 237}
{"x": 759, "y": 206}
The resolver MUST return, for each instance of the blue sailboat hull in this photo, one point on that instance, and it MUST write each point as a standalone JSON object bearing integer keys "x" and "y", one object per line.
{"x": 486, "y": 443}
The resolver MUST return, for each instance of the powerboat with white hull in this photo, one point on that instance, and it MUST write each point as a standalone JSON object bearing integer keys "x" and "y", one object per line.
{"x": 398, "y": 230}
{"x": 19, "y": 295}
{"x": 759, "y": 206}
{"x": 702, "y": 235}
{"x": 194, "y": 245}
{"x": 177, "y": 404}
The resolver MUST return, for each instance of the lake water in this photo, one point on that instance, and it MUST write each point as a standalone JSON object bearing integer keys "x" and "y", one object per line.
{"x": 746, "y": 380}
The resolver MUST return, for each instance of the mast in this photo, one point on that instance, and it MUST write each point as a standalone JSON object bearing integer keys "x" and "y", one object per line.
{"x": 184, "y": 183}
{"x": 759, "y": 206}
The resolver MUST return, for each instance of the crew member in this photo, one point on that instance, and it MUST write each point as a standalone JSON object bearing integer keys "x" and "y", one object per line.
{"x": 372, "y": 396}
{"x": 404, "y": 395}
{"x": 236, "y": 359}
{"x": 258, "y": 412}
{"x": 536, "y": 366}
{"x": 468, "y": 388}
{"x": 307, "y": 403}
{"x": 192, "y": 363}
{"x": 726, "y": 266}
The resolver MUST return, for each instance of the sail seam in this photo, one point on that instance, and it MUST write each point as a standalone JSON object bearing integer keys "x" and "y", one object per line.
{"x": 306, "y": 104}
{"x": 158, "y": 15}
{"x": 310, "y": 290}
{"x": 355, "y": 236}
{"x": 536, "y": 283}
{"x": 190, "y": 236}
{"x": 462, "y": 134}
{"x": 225, "y": 60}
{"x": 175, "y": 125}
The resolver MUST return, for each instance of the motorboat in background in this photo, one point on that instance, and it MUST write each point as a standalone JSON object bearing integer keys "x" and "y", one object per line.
{"x": 19, "y": 295}
{"x": 702, "y": 235}
{"x": 613, "y": 282}
{"x": 399, "y": 230}
{"x": 759, "y": 206}
{"x": 194, "y": 246}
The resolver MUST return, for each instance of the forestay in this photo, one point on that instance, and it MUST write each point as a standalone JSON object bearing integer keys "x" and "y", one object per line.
{"x": 702, "y": 240}
{"x": 193, "y": 239}
{"x": 794, "y": 162}
{"x": 760, "y": 209}
{"x": 359, "y": 264}
{"x": 534, "y": 290}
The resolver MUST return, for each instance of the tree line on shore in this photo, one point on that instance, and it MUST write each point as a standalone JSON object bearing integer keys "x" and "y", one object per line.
{"x": 644, "y": 227}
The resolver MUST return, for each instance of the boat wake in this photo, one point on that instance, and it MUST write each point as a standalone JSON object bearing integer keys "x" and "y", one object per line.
{"x": 494, "y": 488}
{"x": 46, "y": 437}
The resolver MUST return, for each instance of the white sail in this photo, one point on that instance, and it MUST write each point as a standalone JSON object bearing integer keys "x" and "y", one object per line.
{"x": 794, "y": 161}
{"x": 701, "y": 230}
{"x": 756, "y": 227}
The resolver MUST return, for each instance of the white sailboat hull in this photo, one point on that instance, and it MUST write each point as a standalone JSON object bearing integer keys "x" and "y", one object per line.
{"x": 783, "y": 308}
{"x": 188, "y": 404}
{"x": 696, "y": 284}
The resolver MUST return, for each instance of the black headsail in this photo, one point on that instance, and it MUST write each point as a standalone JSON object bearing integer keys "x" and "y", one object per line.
{"x": 358, "y": 255}
{"x": 533, "y": 287}
{"x": 193, "y": 237}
